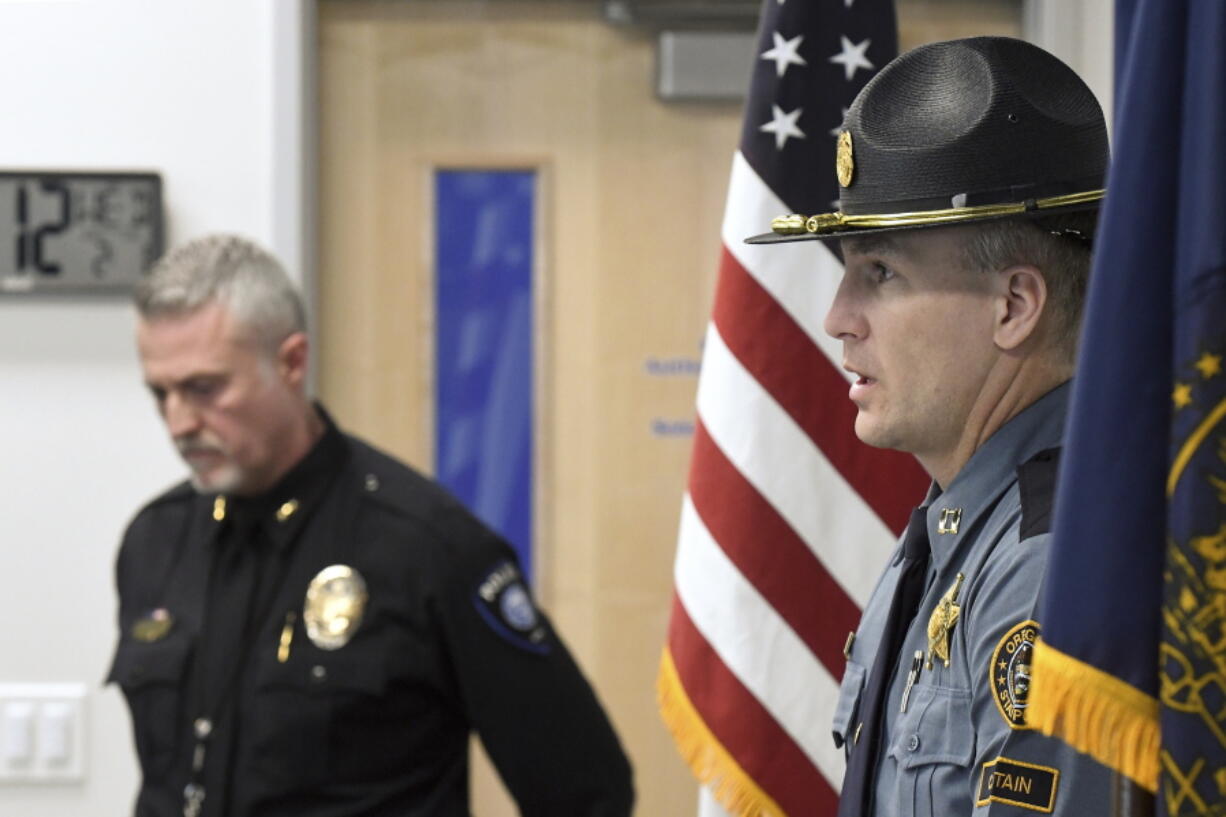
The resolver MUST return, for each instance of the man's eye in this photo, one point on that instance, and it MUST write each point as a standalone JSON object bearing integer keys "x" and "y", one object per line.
{"x": 880, "y": 273}
{"x": 200, "y": 388}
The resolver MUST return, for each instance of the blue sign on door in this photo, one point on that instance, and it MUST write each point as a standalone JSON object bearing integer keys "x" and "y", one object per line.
{"x": 484, "y": 241}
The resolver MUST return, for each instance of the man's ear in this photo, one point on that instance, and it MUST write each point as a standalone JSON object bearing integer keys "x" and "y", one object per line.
{"x": 1021, "y": 299}
{"x": 292, "y": 359}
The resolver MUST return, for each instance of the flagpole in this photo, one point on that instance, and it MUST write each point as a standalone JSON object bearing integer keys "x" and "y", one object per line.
{"x": 1129, "y": 799}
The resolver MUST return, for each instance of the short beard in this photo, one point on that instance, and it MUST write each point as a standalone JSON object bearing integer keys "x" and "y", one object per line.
{"x": 227, "y": 481}
{"x": 228, "y": 478}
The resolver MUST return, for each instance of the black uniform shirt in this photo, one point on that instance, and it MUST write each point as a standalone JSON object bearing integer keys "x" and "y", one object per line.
{"x": 449, "y": 641}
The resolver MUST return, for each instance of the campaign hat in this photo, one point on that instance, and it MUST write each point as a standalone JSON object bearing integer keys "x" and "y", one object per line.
{"x": 962, "y": 131}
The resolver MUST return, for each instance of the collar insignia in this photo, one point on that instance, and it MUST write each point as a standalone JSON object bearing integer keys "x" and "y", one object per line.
{"x": 950, "y": 519}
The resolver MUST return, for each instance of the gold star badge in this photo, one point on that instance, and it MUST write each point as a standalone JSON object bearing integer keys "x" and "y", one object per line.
{"x": 942, "y": 622}
{"x": 1209, "y": 365}
{"x": 1182, "y": 395}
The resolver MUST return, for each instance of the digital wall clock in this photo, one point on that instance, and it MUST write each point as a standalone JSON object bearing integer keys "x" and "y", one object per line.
{"x": 63, "y": 231}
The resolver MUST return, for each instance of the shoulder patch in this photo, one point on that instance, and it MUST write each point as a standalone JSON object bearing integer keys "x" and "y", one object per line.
{"x": 1036, "y": 482}
{"x": 1009, "y": 672}
{"x": 1019, "y": 784}
{"x": 504, "y": 602}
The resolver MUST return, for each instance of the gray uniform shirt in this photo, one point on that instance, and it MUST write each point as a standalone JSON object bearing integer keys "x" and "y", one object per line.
{"x": 959, "y": 744}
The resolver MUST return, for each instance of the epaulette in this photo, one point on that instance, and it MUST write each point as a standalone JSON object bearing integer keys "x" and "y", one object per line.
{"x": 402, "y": 490}
{"x": 1036, "y": 482}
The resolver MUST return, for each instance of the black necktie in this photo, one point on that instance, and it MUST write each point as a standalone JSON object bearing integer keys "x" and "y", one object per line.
{"x": 860, "y": 780}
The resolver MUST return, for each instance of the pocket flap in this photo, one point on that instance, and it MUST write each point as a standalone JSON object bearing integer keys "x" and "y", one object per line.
{"x": 140, "y": 663}
{"x": 325, "y": 673}
{"x": 849, "y": 702}
{"x": 936, "y": 729}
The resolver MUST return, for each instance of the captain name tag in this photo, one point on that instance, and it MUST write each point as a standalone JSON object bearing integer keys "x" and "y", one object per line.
{"x": 1019, "y": 784}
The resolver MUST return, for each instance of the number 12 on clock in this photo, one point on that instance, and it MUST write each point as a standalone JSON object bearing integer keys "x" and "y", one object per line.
{"x": 78, "y": 231}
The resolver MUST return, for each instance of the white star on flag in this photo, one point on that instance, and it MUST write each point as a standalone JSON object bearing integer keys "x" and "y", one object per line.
{"x": 783, "y": 125}
{"x": 852, "y": 56}
{"x": 784, "y": 53}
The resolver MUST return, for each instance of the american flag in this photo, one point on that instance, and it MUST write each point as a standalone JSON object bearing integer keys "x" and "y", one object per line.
{"x": 788, "y": 518}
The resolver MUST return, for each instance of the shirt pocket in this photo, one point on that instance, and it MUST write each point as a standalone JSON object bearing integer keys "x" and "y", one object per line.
{"x": 934, "y": 747}
{"x": 297, "y": 708}
{"x": 848, "y": 706}
{"x": 151, "y": 675}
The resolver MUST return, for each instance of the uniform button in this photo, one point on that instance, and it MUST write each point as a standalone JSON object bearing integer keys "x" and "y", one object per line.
{"x": 913, "y": 743}
{"x": 319, "y": 673}
{"x": 372, "y": 483}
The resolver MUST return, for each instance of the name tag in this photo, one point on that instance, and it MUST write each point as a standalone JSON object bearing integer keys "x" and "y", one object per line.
{"x": 1019, "y": 784}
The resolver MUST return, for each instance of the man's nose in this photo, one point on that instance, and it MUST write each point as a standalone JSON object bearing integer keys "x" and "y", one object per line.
{"x": 181, "y": 418}
{"x": 843, "y": 319}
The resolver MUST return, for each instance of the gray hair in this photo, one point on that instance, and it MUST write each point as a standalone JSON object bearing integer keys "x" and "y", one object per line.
{"x": 1059, "y": 246}
{"x": 231, "y": 270}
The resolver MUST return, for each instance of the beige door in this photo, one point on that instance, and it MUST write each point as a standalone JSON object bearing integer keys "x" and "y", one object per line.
{"x": 631, "y": 196}
{"x": 632, "y": 193}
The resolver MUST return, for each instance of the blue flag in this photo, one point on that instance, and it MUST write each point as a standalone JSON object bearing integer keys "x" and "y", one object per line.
{"x": 1132, "y": 664}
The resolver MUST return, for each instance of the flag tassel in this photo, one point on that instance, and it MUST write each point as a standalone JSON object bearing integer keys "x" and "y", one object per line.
{"x": 1095, "y": 713}
{"x": 704, "y": 754}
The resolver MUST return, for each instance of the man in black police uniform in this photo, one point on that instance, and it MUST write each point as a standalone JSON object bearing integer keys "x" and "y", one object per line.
{"x": 309, "y": 627}
{"x": 970, "y": 173}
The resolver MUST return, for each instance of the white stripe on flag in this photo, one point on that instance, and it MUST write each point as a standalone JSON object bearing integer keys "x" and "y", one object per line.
{"x": 802, "y": 276}
{"x": 790, "y": 471}
{"x": 756, "y": 645}
{"x": 708, "y": 806}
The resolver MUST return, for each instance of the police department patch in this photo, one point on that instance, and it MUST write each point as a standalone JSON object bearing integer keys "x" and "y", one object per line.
{"x": 503, "y": 600}
{"x": 1009, "y": 673}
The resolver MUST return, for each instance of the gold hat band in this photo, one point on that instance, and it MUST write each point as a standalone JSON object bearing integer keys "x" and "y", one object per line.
{"x": 832, "y": 222}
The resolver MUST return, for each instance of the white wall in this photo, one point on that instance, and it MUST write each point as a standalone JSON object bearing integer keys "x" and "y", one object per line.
{"x": 208, "y": 93}
{"x": 1080, "y": 33}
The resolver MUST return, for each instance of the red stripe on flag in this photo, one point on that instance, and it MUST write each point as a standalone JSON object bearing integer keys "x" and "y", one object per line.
{"x": 743, "y": 726}
{"x": 773, "y": 347}
{"x": 770, "y": 554}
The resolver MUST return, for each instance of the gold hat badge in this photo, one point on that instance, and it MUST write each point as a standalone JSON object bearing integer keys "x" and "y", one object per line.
{"x": 844, "y": 164}
{"x": 335, "y": 602}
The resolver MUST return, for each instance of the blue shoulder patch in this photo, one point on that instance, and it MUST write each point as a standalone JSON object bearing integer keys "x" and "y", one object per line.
{"x": 504, "y": 602}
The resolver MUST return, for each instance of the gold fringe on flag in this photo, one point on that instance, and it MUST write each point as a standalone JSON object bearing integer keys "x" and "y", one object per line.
{"x": 735, "y": 790}
{"x": 1096, "y": 713}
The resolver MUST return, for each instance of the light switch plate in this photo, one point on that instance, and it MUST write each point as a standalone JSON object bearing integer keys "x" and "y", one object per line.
{"x": 42, "y": 733}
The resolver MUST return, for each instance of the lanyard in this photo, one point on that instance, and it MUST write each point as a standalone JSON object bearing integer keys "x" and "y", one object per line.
{"x": 259, "y": 604}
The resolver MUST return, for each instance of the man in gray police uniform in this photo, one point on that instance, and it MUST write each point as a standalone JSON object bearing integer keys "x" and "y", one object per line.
{"x": 970, "y": 173}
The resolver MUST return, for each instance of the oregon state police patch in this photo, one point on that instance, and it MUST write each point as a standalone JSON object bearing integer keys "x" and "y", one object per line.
{"x": 1009, "y": 673}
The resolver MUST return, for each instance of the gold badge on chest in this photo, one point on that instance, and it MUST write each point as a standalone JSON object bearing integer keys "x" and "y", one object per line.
{"x": 335, "y": 602}
{"x": 942, "y": 622}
